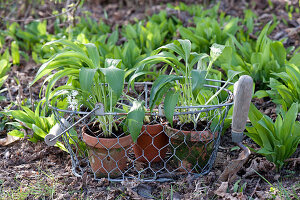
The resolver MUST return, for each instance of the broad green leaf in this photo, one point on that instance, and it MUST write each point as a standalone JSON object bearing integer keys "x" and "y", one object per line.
{"x": 295, "y": 59}
{"x": 115, "y": 78}
{"x": 86, "y": 78}
{"x": 67, "y": 43}
{"x": 173, "y": 47}
{"x": 135, "y": 119}
{"x": 261, "y": 38}
{"x": 2, "y": 80}
{"x": 170, "y": 103}
{"x": 239, "y": 46}
{"x": 16, "y": 133}
{"x": 198, "y": 79}
{"x": 231, "y": 27}
{"x": 57, "y": 76}
{"x": 278, "y": 52}
{"x": 130, "y": 32}
{"x": 15, "y": 53}
{"x": 38, "y": 131}
{"x": 138, "y": 74}
{"x": 288, "y": 122}
{"x": 158, "y": 84}
{"x": 93, "y": 54}
{"x": 113, "y": 38}
{"x": 186, "y": 46}
{"x": 261, "y": 94}
{"x": 4, "y": 67}
{"x": 61, "y": 58}
{"x": 21, "y": 116}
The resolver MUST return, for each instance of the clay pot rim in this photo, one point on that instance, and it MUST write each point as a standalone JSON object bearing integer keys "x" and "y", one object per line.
{"x": 102, "y": 143}
{"x": 207, "y": 133}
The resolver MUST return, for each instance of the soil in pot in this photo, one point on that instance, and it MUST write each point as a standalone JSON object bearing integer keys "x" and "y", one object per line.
{"x": 107, "y": 156}
{"x": 152, "y": 144}
{"x": 191, "y": 147}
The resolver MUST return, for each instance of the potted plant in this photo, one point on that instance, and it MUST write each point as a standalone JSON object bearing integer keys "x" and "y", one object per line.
{"x": 100, "y": 84}
{"x": 152, "y": 143}
{"x": 181, "y": 86}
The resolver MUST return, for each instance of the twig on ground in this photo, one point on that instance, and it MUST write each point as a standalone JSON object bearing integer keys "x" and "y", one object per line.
{"x": 254, "y": 190}
{"x": 292, "y": 159}
{"x": 9, "y": 92}
{"x": 31, "y": 98}
{"x": 20, "y": 91}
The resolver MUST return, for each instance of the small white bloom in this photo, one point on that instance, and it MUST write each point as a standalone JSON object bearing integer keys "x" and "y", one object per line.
{"x": 216, "y": 50}
{"x": 74, "y": 93}
{"x": 73, "y": 107}
{"x": 73, "y": 104}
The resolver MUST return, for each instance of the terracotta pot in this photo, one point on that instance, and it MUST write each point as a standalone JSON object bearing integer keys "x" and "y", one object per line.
{"x": 107, "y": 155}
{"x": 192, "y": 148}
{"x": 152, "y": 144}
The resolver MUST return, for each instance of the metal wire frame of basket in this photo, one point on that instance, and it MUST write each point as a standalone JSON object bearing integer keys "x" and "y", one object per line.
{"x": 183, "y": 152}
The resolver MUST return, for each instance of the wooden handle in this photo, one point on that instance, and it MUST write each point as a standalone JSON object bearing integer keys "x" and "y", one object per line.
{"x": 242, "y": 98}
{"x": 50, "y": 138}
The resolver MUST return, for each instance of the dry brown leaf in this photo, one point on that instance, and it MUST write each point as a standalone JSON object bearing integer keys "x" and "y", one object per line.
{"x": 222, "y": 190}
{"x": 259, "y": 164}
{"x": 8, "y": 140}
{"x": 263, "y": 195}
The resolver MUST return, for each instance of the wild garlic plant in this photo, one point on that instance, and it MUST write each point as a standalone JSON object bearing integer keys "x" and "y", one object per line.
{"x": 90, "y": 82}
{"x": 186, "y": 78}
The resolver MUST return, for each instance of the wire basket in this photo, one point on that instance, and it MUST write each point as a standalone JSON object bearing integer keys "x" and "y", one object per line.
{"x": 161, "y": 153}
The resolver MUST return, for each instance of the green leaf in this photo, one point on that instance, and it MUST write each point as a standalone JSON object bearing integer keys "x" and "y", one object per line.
{"x": 186, "y": 46}
{"x": 262, "y": 38}
{"x": 295, "y": 59}
{"x": 4, "y": 67}
{"x": 261, "y": 94}
{"x": 135, "y": 119}
{"x": 174, "y": 47}
{"x": 113, "y": 38}
{"x": 198, "y": 79}
{"x": 115, "y": 78}
{"x": 2, "y": 80}
{"x": 170, "y": 103}
{"x": 53, "y": 79}
{"x": 38, "y": 131}
{"x": 93, "y": 54}
{"x": 69, "y": 44}
{"x": 86, "y": 78}
{"x": 16, "y": 133}
{"x": 60, "y": 59}
{"x": 288, "y": 122}
{"x": 21, "y": 116}
{"x": 15, "y": 53}
{"x": 158, "y": 84}
{"x": 278, "y": 52}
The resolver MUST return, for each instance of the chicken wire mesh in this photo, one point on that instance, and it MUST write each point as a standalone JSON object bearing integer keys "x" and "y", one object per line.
{"x": 161, "y": 153}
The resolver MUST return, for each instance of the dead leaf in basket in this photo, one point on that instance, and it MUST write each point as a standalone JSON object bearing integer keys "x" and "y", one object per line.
{"x": 139, "y": 165}
{"x": 234, "y": 166}
{"x": 8, "y": 140}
